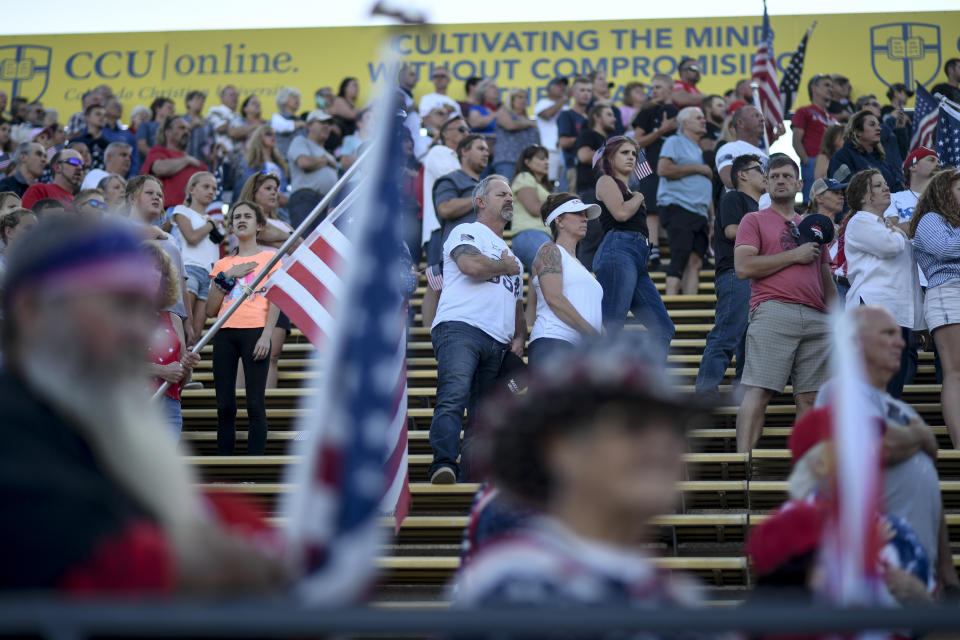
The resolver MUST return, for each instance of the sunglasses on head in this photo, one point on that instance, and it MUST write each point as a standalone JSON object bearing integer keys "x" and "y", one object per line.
{"x": 77, "y": 162}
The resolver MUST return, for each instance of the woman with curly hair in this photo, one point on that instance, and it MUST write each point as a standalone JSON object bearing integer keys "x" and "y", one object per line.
{"x": 263, "y": 156}
{"x": 935, "y": 229}
{"x": 862, "y": 150}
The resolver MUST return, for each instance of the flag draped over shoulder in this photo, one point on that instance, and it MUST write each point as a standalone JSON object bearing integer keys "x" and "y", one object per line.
{"x": 794, "y": 73}
{"x": 765, "y": 76}
{"x": 948, "y": 136}
{"x": 353, "y": 453}
{"x": 924, "y": 120}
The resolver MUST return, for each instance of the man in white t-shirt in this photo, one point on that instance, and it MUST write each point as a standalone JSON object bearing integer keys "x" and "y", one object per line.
{"x": 480, "y": 316}
{"x": 441, "y": 80}
{"x": 547, "y": 111}
{"x": 918, "y": 168}
{"x": 747, "y": 123}
{"x": 221, "y": 115}
{"x": 116, "y": 159}
{"x": 440, "y": 160}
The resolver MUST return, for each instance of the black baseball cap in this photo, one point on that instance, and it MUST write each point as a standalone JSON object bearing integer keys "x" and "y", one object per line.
{"x": 816, "y": 228}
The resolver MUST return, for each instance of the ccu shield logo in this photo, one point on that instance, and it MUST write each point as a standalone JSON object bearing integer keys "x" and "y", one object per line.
{"x": 907, "y": 52}
{"x": 25, "y": 70}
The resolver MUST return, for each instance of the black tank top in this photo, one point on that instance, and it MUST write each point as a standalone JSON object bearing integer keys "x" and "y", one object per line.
{"x": 637, "y": 223}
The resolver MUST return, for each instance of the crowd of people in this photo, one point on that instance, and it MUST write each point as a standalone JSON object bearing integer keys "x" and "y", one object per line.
{"x": 580, "y": 194}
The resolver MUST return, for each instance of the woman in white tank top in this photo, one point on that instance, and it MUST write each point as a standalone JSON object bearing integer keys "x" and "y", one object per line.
{"x": 566, "y": 296}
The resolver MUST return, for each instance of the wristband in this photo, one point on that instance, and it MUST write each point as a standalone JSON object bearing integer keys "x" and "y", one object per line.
{"x": 224, "y": 283}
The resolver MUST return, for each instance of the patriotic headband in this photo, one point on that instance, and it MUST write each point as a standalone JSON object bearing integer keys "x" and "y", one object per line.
{"x": 572, "y": 206}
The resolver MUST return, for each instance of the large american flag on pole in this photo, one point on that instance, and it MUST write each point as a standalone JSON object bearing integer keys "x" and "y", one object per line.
{"x": 924, "y": 120}
{"x": 794, "y": 73}
{"x": 765, "y": 76}
{"x": 948, "y": 136}
{"x": 353, "y": 456}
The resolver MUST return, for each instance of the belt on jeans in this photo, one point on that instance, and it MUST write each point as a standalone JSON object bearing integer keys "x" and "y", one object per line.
{"x": 635, "y": 234}
{"x": 840, "y": 280}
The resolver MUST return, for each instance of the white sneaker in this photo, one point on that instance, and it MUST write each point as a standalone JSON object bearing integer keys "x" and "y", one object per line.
{"x": 443, "y": 475}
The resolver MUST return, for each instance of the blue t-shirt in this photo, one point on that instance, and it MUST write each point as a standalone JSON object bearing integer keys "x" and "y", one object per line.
{"x": 570, "y": 123}
{"x": 691, "y": 192}
{"x": 484, "y": 112}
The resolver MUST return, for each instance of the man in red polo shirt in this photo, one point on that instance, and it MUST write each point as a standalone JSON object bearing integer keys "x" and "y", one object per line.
{"x": 809, "y": 124}
{"x": 168, "y": 160}
{"x": 68, "y": 172}
{"x": 685, "y": 92}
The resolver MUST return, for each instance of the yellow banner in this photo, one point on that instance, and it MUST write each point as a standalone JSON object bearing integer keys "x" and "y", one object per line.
{"x": 873, "y": 50}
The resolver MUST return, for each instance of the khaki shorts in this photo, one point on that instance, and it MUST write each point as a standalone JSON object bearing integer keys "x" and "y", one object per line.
{"x": 787, "y": 341}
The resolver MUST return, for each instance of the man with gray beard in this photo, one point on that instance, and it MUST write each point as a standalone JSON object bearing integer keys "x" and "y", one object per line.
{"x": 95, "y": 496}
{"x": 480, "y": 317}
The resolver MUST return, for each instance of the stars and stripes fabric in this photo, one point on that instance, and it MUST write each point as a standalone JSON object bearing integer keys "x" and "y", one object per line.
{"x": 354, "y": 449}
{"x": 764, "y": 73}
{"x": 850, "y": 546}
{"x": 794, "y": 73}
{"x": 924, "y": 119}
{"x": 643, "y": 169}
{"x": 948, "y": 136}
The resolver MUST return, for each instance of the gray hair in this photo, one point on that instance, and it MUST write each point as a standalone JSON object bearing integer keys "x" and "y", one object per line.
{"x": 685, "y": 114}
{"x": 137, "y": 110}
{"x": 483, "y": 187}
{"x": 22, "y": 148}
{"x": 102, "y": 185}
{"x": 113, "y": 147}
{"x": 483, "y": 85}
{"x": 284, "y": 94}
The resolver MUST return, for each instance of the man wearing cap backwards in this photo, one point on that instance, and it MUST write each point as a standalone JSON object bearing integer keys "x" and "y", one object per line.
{"x": 595, "y": 447}
{"x": 311, "y": 165}
{"x": 918, "y": 168}
{"x": 94, "y": 493}
{"x": 685, "y": 92}
{"x": 479, "y": 317}
{"x": 726, "y": 339}
{"x": 911, "y": 487}
{"x": 547, "y": 112}
{"x": 790, "y": 289}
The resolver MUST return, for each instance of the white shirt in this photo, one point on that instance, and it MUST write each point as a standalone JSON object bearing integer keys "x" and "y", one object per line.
{"x": 439, "y": 161}
{"x": 732, "y": 150}
{"x": 882, "y": 270}
{"x": 489, "y": 305}
{"x": 204, "y": 253}
{"x": 902, "y": 204}
{"x": 549, "y": 137}
{"x": 431, "y": 101}
{"x": 93, "y": 178}
{"x": 219, "y": 115}
{"x": 584, "y": 293}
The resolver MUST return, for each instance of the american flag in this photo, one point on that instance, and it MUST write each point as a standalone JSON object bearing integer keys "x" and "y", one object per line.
{"x": 642, "y": 170}
{"x": 925, "y": 120}
{"x": 794, "y": 73}
{"x": 765, "y": 75}
{"x": 948, "y": 136}
{"x": 354, "y": 455}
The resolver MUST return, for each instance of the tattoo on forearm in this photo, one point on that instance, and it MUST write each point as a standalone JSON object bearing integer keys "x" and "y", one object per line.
{"x": 548, "y": 260}
{"x": 464, "y": 250}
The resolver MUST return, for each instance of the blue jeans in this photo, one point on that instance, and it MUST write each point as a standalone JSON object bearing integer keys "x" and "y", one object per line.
{"x": 527, "y": 243}
{"x": 727, "y": 338}
{"x": 544, "y": 348}
{"x": 172, "y": 414}
{"x": 468, "y": 361}
{"x": 621, "y": 268}
{"x": 806, "y": 174}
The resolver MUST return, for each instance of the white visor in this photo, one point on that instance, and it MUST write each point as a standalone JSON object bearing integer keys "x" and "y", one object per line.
{"x": 574, "y": 206}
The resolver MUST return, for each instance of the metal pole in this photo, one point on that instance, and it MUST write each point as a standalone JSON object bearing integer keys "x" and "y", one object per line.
{"x": 756, "y": 103}
{"x": 250, "y": 288}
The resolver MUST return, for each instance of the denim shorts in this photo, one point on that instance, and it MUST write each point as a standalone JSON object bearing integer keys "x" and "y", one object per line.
{"x": 198, "y": 281}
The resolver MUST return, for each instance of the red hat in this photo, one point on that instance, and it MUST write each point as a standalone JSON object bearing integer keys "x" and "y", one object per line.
{"x": 792, "y": 531}
{"x": 918, "y": 154}
{"x": 814, "y": 427}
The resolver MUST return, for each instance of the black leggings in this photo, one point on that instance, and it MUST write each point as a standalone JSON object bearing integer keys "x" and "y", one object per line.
{"x": 230, "y": 346}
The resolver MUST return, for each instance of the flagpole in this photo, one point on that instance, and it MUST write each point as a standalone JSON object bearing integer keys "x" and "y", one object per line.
{"x": 756, "y": 102}
{"x": 248, "y": 289}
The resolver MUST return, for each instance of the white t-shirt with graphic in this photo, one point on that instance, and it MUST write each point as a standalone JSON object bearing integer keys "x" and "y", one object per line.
{"x": 902, "y": 204}
{"x": 489, "y": 305}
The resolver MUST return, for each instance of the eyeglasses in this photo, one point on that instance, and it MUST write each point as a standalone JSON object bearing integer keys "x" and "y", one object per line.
{"x": 99, "y": 204}
{"x": 794, "y": 232}
{"x": 77, "y": 162}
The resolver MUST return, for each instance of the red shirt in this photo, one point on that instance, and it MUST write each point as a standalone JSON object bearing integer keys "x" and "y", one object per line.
{"x": 173, "y": 186}
{"x": 38, "y": 191}
{"x": 165, "y": 349}
{"x": 814, "y": 122}
{"x": 680, "y": 85}
{"x": 736, "y": 104}
{"x": 770, "y": 234}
